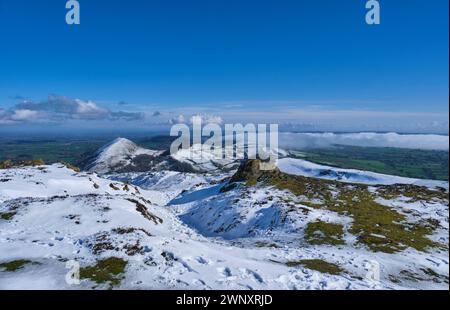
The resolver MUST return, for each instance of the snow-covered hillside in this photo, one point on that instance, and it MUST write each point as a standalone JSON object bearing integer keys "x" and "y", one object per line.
{"x": 305, "y": 168}
{"x": 123, "y": 155}
{"x": 52, "y": 215}
{"x": 205, "y": 161}
{"x": 302, "y": 226}
{"x": 116, "y": 155}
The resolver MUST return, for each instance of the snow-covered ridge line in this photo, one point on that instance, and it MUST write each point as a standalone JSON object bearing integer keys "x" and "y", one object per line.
{"x": 305, "y": 168}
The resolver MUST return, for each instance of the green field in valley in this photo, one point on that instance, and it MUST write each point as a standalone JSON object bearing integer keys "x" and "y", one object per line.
{"x": 423, "y": 164}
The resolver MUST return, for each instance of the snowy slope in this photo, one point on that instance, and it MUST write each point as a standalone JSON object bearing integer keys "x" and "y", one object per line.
{"x": 56, "y": 215}
{"x": 182, "y": 225}
{"x": 170, "y": 184}
{"x": 205, "y": 160}
{"x": 305, "y": 168}
{"x": 275, "y": 219}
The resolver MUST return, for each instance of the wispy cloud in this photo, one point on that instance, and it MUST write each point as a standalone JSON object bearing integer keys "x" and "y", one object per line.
{"x": 205, "y": 119}
{"x": 180, "y": 119}
{"x": 59, "y": 108}
{"x": 24, "y": 115}
{"x": 127, "y": 116}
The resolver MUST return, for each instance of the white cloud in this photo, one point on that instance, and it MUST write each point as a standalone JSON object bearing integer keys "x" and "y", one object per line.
{"x": 208, "y": 119}
{"x": 88, "y": 109}
{"x": 59, "y": 109}
{"x": 205, "y": 119}
{"x": 213, "y": 119}
{"x": 180, "y": 119}
{"x": 412, "y": 141}
{"x": 24, "y": 115}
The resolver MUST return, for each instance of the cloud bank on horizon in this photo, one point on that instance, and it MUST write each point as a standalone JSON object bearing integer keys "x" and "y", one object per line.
{"x": 291, "y": 140}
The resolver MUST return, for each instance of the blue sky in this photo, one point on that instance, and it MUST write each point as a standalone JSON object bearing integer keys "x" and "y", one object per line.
{"x": 313, "y": 63}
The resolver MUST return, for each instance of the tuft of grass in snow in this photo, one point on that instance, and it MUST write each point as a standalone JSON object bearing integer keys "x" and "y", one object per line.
{"x": 425, "y": 274}
{"x": 6, "y": 164}
{"x": 15, "y": 265}
{"x": 129, "y": 230}
{"x": 251, "y": 182}
{"x": 70, "y": 166}
{"x": 413, "y": 192}
{"x": 7, "y": 215}
{"x": 106, "y": 271}
{"x": 319, "y": 232}
{"x": 114, "y": 187}
{"x": 318, "y": 265}
{"x": 438, "y": 278}
{"x": 141, "y": 208}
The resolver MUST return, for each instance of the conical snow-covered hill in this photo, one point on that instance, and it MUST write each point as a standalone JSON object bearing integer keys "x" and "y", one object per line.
{"x": 117, "y": 155}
